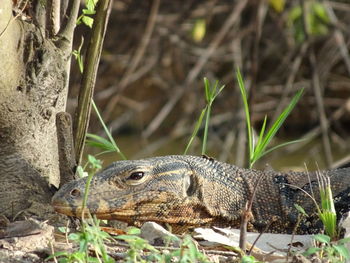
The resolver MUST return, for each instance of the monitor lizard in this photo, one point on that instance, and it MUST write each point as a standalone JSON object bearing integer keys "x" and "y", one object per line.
{"x": 191, "y": 191}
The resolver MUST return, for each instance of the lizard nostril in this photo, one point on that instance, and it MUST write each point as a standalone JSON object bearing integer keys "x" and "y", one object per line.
{"x": 75, "y": 192}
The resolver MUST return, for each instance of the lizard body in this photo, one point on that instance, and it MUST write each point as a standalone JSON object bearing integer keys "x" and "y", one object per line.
{"x": 190, "y": 191}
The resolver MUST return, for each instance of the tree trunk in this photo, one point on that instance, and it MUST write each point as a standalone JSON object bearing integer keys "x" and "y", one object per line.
{"x": 34, "y": 78}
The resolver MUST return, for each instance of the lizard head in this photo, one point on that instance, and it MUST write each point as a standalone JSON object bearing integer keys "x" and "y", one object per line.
{"x": 155, "y": 189}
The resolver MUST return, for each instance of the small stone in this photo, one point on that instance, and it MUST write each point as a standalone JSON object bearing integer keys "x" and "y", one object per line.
{"x": 158, "y": 236}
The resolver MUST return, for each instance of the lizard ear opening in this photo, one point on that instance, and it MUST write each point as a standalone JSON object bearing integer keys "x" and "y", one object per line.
{"x": 190, "y": 185}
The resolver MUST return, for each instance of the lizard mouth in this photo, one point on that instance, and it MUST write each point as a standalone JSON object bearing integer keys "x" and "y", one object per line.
{"x": 101, "y": 213}
{"x": 65, "y": 209}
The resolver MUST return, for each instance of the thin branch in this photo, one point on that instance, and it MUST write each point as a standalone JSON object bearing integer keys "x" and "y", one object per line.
{"x": 53, "y": 17}
{"x": 321, "y": 109}
{"x": 67, "y": 29}
{"x": 341, "y": 162}
{"x": 93, "y": 55}
{"x": 63, "y": 9}
{"x": 241, "y": 145}
{"x": 291, "y": 78}
{"x": 338, "y": 36}
{"x": 136, "y": 58}
{"x": 306, "y": 138}
{"x": 317, "y": 89}
{"x": 193, "y": 74}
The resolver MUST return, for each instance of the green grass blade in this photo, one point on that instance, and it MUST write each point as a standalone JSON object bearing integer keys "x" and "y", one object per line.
{"x": 343, "y": 251}
{"x": 246, "y": 110}
{"x": 207, "y": 89}
{"x": 256, "y": 155}
{"x": 98, "y": 138}
{"x": 99, "y": 142}
{"x": 196, "y": 128}
{"x": 100, "y": 145}
{"x": 210, "y": 94}
{"x": 279, "y": 146}
{"x": 213, "y": 91}
{"x": 109, "y": 135}
{"x": 206, "y": 127}
{"x": 219, "y": 91}
{"x": 327, "y": 214}
{"x": 278, "y": 123}
{"x": 262, "y": 132}
{"x": 329, "y": 221}
{"x": 327, "y": 199}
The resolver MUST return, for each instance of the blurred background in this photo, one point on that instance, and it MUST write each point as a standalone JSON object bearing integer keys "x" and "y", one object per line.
{"x": 150, "y": 88}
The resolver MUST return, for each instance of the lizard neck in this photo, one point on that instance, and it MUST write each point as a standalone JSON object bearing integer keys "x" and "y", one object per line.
{"x": 222, "y": 188}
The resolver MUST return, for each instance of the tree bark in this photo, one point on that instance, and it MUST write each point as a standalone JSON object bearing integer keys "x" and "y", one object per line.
{"x": 34, "y": 75}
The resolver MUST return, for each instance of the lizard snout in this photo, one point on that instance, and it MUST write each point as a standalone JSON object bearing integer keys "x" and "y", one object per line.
{"x": 67, "y": 199}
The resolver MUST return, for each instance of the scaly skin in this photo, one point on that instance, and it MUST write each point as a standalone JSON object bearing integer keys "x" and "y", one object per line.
{"x": 190, "y": 191}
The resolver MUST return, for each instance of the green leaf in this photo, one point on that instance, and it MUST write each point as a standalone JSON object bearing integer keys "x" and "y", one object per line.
{"x": 342, "y": 250}
{"x": 300, "y": 209}
{"x": 344, "y": 240}
{"x": 63, "y": 229}
{"x": 134, "y": 231}
{"x": 74, "y": 237}
{"x": 100, "y": 142}
{"x": 87, "y": 21}
{"x": 311, "y": 250}
{"x": 295, "y": 13}
{"x": 88, "y": 12}
{"x": 248, "y": 259}
{"x": 320, "y": 12}
{"x": 91, "y": 4}
{"x": 81, "y": 172}
{"x": 322, "y": 238}
{"x": 94, "y": 162}
{"x": 127, "y": 238}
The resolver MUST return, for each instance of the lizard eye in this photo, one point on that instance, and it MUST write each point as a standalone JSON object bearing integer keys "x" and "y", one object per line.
{"x": 136, "y": 176}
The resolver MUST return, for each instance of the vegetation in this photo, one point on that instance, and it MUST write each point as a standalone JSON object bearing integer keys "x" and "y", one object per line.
{"x": 327, "y": 246}
{"x": 211, "y": 92}
{"x": 325, "y": 249}
{"x": 336, "y": 251}
{"x": 90, "y": 236}
{"x": 258, "y": 148}
{"x": 139, "y": 249}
